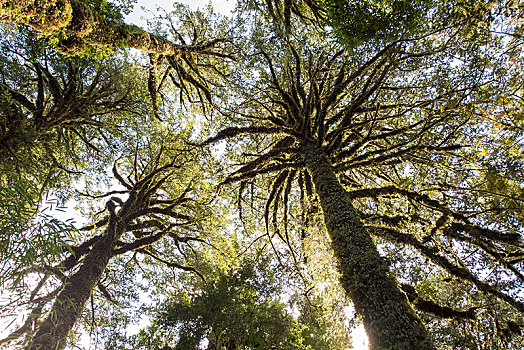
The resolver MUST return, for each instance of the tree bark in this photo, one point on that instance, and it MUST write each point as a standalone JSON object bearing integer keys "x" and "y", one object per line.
{"x": 69, "y": 304}
{"x": 84, "y": 29}
{"x": 390, "y": 322}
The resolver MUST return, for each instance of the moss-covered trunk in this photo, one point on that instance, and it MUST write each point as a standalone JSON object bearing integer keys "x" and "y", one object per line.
{"x": 69, "y": 304}
{"x": 390, "y": 322}
{"x": 82, "y": 28}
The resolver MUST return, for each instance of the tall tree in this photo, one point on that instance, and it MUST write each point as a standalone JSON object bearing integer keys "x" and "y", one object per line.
{"x": 354, "y": 126}
{"x": 47, "y": 97}
{"x": 55, "y": 112}
{"x": 68, "y": 97}
{"x": 154, "y": 210}
{"x": 301, "y": 119}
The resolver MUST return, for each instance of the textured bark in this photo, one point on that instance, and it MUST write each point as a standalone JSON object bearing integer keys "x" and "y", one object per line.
{"x": 69, "y": 304}
{"x": 390, "y": 322}
{"x": 83, "y": 28}
{"x": 45, "y": 16}
{"x": 139, "y": 210}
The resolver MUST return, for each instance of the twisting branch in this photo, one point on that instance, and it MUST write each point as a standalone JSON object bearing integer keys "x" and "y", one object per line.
{"x": 280, "y": 149}
{"x": 438, "y": 259}
{"x": 231, "y": 132}
{"x": 274, "y": 196}
{"x": 172, "y": 264}
{"x": 143, "y": 242}
{"x": 105, "y": 292}
{"x": 421, "y": 198}
{"x": 476, "y": 231}
{"x": 489, "y": 248}
{"x": 252, "y": 174}
{"x": 434, "y": 308}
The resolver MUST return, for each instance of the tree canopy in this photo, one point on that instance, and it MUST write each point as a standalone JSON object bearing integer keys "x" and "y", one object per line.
{"x": 264, "y": 180}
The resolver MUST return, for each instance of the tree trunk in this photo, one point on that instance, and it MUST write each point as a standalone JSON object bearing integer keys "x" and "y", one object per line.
{"x": 69, "y": 304}
{"x": 83, "y": 28}
{"x": 390, "y": 322}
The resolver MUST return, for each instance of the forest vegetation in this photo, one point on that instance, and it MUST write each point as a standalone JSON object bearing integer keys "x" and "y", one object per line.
{"x": 265, "y": 180}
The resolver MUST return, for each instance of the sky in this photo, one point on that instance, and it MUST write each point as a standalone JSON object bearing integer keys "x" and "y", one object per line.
{"x": 138, "y": 16}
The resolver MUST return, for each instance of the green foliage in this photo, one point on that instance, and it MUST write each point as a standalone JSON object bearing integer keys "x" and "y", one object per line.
{"x": 30, "y": 235}
{"x": 372, "y": 22}
{"x": 114, "y": 10}
{"x": 426, "y": 139}
{"x": 235, "y": 310}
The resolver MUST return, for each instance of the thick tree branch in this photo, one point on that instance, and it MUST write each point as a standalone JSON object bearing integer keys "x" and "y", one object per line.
{"x": 86, "y": 29}
{"x": 231, "y": 132}
{"x": 438, "y": 259}
{"x": 172, "y": 264}
{"x": 434, "y": 308}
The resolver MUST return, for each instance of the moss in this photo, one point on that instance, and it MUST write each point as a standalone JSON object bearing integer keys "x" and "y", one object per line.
{"x": 80, "y": 30}
{"x": 72, "y": 46}
{"x": 45, "y": 16}
{"x": 389, "y": 320}
{"x": 83, "y": 20}
{"x": 68, "y": 306}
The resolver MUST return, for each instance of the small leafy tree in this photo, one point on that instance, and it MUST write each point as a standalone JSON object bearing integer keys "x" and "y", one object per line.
{"x": 235, "y": 310}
